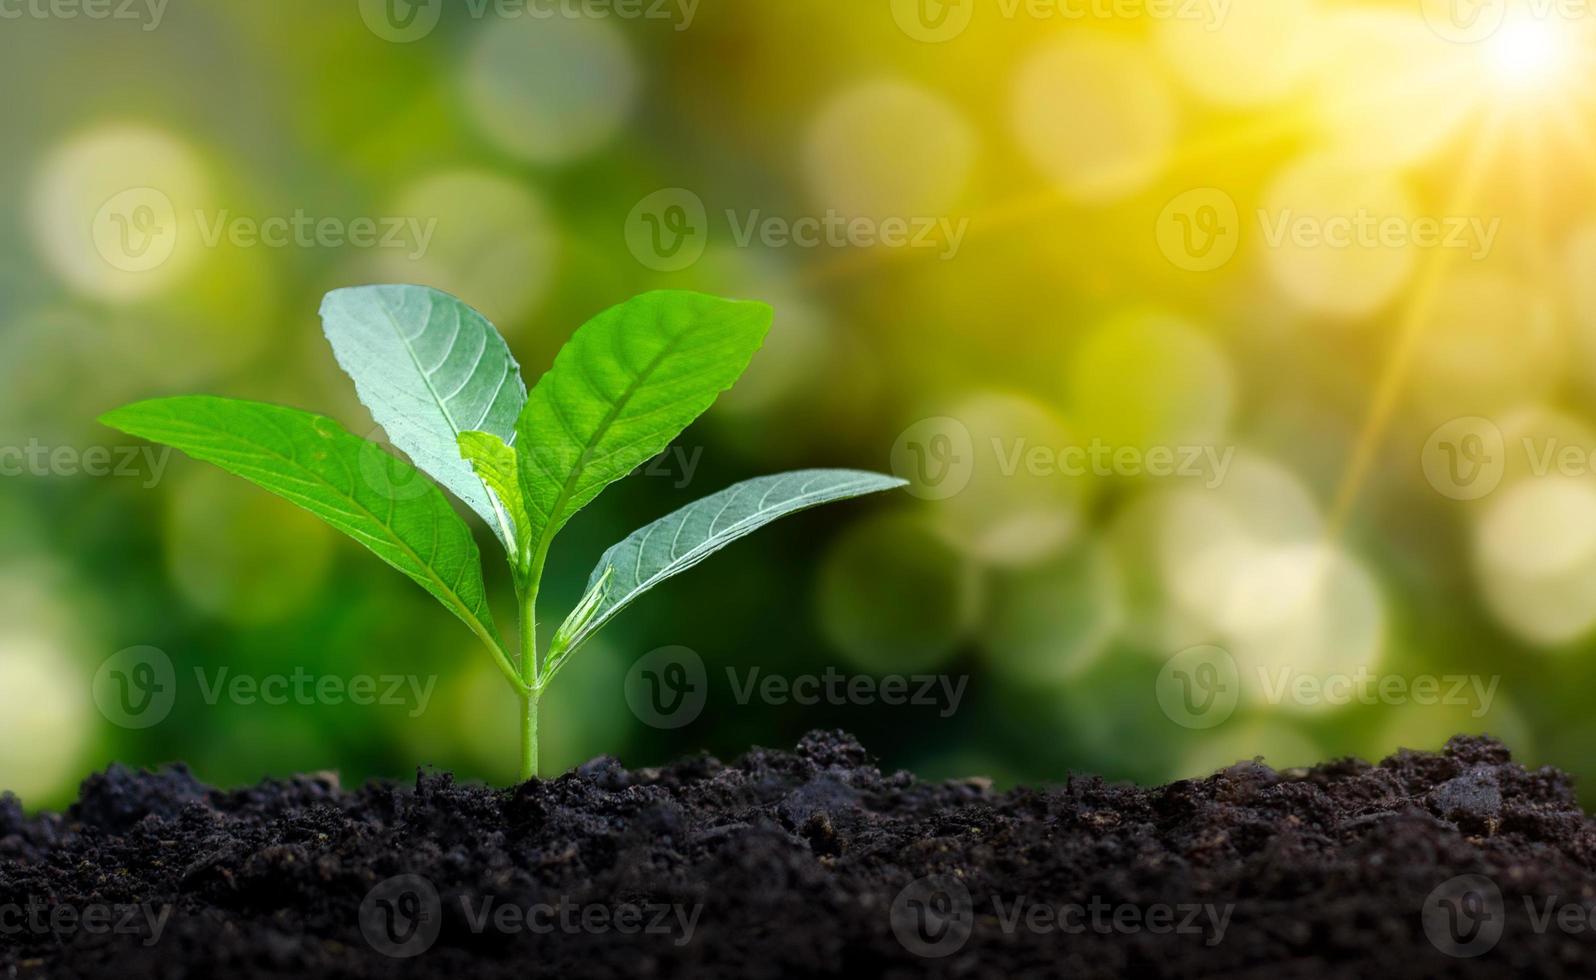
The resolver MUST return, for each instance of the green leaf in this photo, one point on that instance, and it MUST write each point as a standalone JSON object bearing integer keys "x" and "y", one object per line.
{"x": 682, "y": 539}
{"x": 429, "y": 367}
{"x": 380, "y": 501}
{"x": 621, "y": 389}
{"x": 494, "y": 463}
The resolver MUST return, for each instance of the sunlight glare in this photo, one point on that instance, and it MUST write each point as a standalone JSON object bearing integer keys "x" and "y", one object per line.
{"x": 1528, "y": 54}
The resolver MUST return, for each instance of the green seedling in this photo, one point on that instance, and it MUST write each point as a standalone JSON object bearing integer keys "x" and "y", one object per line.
{"x": 441, "y": 382}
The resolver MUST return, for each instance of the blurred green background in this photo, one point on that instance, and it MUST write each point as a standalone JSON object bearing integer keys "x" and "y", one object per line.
{"x": 1337, "y": 249}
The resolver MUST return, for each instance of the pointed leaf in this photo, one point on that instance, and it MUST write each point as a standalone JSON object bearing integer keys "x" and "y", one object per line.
{"x": 494, "y": 463}
{"x": 620, "y": 390}
{"x": 682, "y": 539}
{"x": 429, "y": 367}
{"x": 352, "y": 484}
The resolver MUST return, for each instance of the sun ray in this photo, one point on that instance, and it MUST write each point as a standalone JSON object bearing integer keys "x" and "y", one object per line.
{"x": 1410, "y": 329}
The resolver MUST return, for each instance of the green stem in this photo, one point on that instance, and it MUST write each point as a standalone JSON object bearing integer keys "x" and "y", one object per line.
{"x": 531, "y": 681}
{"x": 529, "y": 734}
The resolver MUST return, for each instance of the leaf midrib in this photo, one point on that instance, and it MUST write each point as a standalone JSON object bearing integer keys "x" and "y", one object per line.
{"x": 443, "y": 406}
{"x": 553, "y": 524}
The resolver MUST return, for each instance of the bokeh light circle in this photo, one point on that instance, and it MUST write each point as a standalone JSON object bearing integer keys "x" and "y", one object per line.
{"x": 1051, "y": 622}
{"x": 1013, "y": 503}
{"x": 1258, "y": 52}
{"x": 1337, "y": 236}
{"x": 888, "y": 149}
{"x": 1467, "y": 360}
{"x": 112, "y": 211}
{"x": 550, "y": 90}
{"x": 1535, "y": 557}
{"x": 893, "y": 597}
{"x": 1096, "y": 115}
{"x": 1388, "y": 92}
{"x": 495, "y": 243}
{"x": 1148, "y": 380}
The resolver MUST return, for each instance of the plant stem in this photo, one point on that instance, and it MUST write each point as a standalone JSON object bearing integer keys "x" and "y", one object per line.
{"x": 531, "y": 672}
{"x": 529, "y": 733}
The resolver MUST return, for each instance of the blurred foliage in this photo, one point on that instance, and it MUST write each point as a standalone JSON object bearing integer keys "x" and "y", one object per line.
{"x": 1134, "y": 217}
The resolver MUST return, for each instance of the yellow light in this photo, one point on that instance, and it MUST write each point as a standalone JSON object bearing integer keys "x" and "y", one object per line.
{"x": 1527, "y": 54}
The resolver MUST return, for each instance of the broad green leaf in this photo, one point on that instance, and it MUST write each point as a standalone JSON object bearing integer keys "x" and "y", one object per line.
{"x": 494, "y": 463}
{"x": 380, "y": 501}
{"x": 429, "y": 367}
{"x": 621, "y": 389}
{"x": 682, "y": 539}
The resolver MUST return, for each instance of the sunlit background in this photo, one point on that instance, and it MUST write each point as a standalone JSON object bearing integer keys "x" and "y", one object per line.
{"x": 1228, "y": 343}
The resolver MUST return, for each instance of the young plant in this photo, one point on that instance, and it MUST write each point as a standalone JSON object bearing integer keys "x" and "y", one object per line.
{"x": 441, "y": 382}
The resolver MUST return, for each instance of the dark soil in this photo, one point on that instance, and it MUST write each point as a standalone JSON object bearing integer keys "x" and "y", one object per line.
{"x": 812, "y": 863}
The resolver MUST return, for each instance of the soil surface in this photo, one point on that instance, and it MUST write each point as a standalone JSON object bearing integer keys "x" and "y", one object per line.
{"x": 812, "y": 863}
